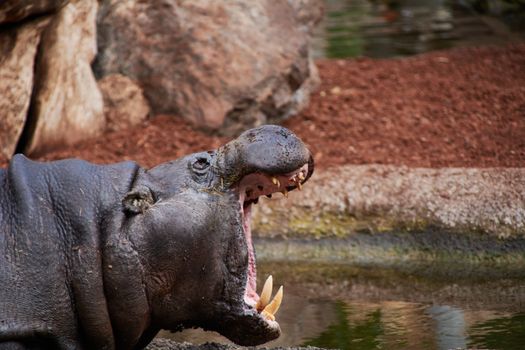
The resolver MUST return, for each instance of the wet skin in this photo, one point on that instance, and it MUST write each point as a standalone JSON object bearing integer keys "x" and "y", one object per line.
{"x": 104, "y": 257}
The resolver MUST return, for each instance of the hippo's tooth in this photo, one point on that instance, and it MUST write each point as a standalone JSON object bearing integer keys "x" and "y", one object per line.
{"x": 275, "y": 181}
{"x": 299, "y": 186}
{"x": 270, "y": 309}
{"x": 285, "y": 193}
{"x": 301, "y": 176}
{"x": 266, "y": 293}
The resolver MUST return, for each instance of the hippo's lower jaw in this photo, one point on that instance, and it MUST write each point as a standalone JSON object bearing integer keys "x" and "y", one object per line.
{"x": 259, "y": 312}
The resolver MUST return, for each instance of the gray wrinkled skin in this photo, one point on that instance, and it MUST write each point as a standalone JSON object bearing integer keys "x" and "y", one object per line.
{"x": 103, "y": 257}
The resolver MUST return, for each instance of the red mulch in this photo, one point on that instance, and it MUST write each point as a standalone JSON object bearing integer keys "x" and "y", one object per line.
{"x": 458, "y": 108}
{"x": 155, "y": 141}
{"x": 463, "y": 107}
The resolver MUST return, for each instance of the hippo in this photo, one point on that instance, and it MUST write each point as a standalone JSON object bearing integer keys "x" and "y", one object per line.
{"x": 105, "y": 256}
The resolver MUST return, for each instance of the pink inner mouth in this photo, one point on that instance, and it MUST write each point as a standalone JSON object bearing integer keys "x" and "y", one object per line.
{"x": 251, "y": 187}
{"x": 250, "y": 297}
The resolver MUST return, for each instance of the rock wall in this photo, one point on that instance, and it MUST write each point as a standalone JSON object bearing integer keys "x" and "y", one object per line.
{"x": 49, "y": 96}
{"x": 18, "y": 47}
{"x": 67, "y": 105}
{"x": 224, "y": 65}
{"x": 13, "y": 11}
{"x": 124, "y": 102}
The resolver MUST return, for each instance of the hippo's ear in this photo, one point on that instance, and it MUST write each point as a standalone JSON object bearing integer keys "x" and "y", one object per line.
{"x": 138, "y": 200}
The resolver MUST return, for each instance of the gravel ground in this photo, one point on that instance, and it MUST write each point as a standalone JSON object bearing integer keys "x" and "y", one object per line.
{"x": 166, "y": 344}
{"x": 458, "y": 108}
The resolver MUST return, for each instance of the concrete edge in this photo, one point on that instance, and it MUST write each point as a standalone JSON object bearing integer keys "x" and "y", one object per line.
{"x": 343, "y": 201}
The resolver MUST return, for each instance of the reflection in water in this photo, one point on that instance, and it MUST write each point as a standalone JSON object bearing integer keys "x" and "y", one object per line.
{"x": 391, "y": 325}
{"x": 499, "y": 333}
{"x": 381, "y": 28}
{"x": 364, "y": 333}
{"x": 349, "y": 307}
{"x": 362, "y": 325}
{"x": 450, "y": 326}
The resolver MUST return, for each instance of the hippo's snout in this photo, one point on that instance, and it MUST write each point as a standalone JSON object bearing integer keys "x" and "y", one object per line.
{"x": 269, "y": 149}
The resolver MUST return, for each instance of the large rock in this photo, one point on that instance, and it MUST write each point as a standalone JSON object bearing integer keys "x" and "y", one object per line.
{"x": 12, "y": 11}
{"x": 224, "y": 64}
{"x": 124, "y": 102}
{"x": 18, "y": 47}
{"x": 67, "y": 104}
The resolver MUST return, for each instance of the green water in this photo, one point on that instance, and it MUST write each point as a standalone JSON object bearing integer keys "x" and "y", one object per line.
{"x": 379, "y": 308}
{"x": 396, "y": 28}
{"x": 357, "y": 307}
{"x": 342, "y": 334}
{"x": 414, "y": 326}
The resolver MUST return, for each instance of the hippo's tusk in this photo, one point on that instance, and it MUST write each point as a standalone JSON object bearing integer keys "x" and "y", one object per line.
{"x": 266, "y": 294}
{"x": 285, "y": 192}
{"x": 270, "y": 309}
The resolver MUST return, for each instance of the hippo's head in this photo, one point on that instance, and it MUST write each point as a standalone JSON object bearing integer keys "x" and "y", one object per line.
{"x": 189, "y": 222}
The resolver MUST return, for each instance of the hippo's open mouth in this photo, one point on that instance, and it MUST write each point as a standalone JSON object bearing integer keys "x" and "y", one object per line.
{"x": 250, "y": 188}
{"x": 259, "y": 162}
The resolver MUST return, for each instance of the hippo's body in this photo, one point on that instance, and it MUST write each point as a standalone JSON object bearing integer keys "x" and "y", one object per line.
{"x": 103, "y": 257}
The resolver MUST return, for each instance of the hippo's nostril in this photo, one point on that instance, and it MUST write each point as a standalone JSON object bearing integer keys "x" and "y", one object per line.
{"x": 201, "y": 164}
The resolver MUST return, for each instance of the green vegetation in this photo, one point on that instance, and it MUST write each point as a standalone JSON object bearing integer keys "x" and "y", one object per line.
{"x": 301, "y": 223}
{"x": 343, "y": 33}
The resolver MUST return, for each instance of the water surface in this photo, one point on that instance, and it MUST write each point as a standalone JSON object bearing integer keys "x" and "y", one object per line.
{"x": 398, "y": 28}
{"x": 348, "y": 307}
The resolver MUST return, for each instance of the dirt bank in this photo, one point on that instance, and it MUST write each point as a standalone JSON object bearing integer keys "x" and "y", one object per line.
{"x": 463, "y": 107}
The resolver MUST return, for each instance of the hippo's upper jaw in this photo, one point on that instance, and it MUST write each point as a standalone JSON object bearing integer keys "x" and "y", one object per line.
{"x": 281, "y": 163}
